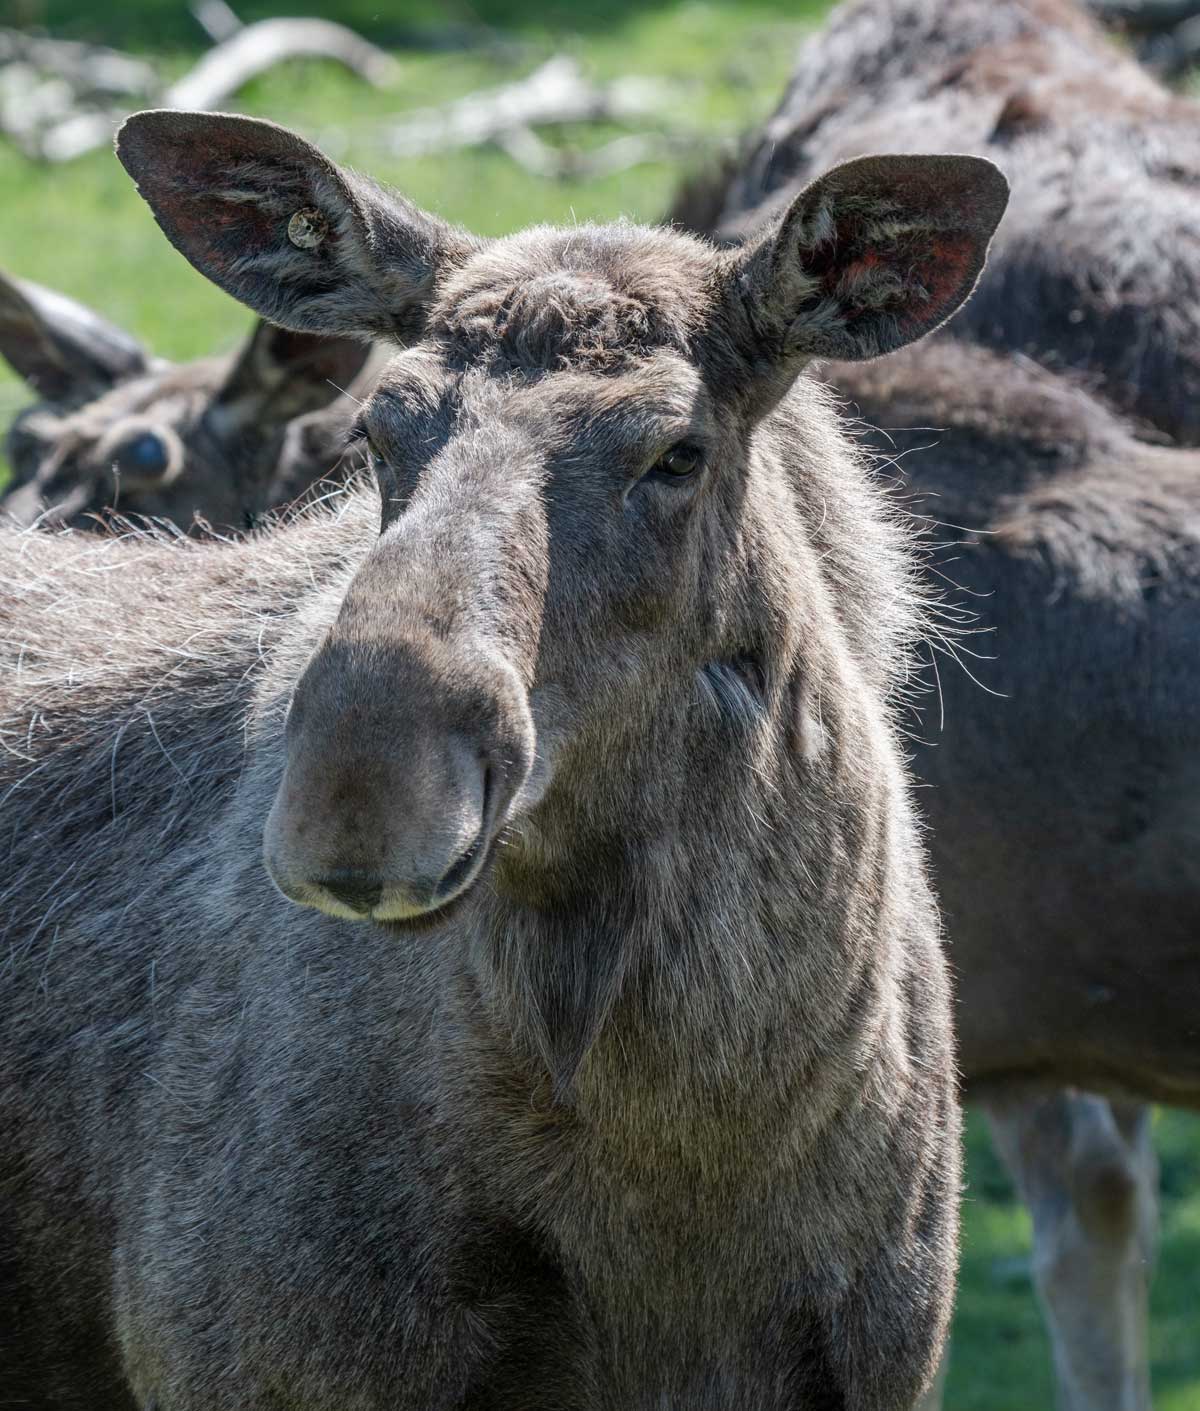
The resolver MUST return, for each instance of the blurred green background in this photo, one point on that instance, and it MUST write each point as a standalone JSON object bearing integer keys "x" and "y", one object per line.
{"x": 81, "y": 228}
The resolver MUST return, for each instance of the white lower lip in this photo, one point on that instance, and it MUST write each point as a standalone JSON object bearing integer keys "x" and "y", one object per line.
{"x": 401, "y": 911}
{"x": 321, "y": 901}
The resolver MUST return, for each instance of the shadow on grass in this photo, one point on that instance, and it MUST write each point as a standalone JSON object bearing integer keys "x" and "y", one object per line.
{"x": 419, "y": 24}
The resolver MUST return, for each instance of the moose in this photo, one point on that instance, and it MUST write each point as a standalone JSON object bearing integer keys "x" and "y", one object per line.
{"x": 1059, "y": 848}
{"x": 468, "y": 945}
{"x": 1058, "y": 798}
{"x": 116, "y": 430}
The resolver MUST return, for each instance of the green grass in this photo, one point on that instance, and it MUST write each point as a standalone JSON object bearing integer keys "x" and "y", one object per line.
{"x": 83, "y": 229}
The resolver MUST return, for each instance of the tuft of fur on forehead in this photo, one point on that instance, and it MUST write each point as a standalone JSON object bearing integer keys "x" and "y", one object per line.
{"x": 595, "y": 297}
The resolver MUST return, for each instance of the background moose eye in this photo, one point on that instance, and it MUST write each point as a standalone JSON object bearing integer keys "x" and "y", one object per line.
{"x": 142, "y": 454}
{"x": 678, "y": 463}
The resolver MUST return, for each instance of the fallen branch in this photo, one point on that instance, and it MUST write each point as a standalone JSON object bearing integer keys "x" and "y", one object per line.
{"x": 216, "y": 19}
{"x": 44, "y": 105}
{"x": 255, "y": 48}
{"x": 89, "y": 69}
{"x": 555, "y": 93}
{"x": 528, "y": 150}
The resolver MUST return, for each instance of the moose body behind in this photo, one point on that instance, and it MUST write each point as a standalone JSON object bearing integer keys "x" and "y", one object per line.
{"x": 606, "y": 1062}
{"x": 1059, "y": 766}
{"x": 1095, "y": 269}
{"x": 1058, "y": 773}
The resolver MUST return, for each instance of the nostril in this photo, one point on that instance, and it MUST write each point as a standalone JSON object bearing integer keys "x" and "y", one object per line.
{"x": 461, "y": 869}
{"x": 357, "y": 892}
{"x": 457, "y": 874}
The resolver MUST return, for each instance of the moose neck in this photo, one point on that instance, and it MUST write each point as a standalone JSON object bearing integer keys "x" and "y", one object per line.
{"x": 693, "y": 945}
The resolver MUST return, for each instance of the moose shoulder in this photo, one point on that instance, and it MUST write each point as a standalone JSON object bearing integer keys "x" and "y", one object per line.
{"x": 605, "y": 1062}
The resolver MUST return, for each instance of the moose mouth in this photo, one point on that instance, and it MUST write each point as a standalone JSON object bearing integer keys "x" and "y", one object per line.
{"x": 457, "y": 891}
{"x": 354, "y": 893}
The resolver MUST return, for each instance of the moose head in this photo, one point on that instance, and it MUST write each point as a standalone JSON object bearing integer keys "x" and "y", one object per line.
{"x": 114, "y": 428}
{"x": 607, "y": 498}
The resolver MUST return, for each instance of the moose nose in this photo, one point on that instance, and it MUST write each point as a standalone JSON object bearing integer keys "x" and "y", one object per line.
{"x": 402, "y": 762}
{"x": 143, "y": 454}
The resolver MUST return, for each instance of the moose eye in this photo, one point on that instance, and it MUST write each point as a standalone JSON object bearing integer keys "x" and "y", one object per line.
{"x": 361, "y": 441}
{"x": 143, "y": 454}
{"x": 680, "y": 462}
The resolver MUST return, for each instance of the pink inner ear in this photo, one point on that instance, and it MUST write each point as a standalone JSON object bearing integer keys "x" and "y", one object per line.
{"x": 943, "y": 272}
{"x": 196, "y": 200}
{"x": 219, "y": 232}
{"x": 932, "y": 279}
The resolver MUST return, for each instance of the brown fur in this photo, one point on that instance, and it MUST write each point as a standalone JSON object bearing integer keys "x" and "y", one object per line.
{"x": 1094, "y": 269}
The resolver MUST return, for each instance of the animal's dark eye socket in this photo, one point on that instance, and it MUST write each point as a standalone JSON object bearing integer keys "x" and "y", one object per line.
{"x": 363, "y": 443}
{"x": 143, "y": 454}
{"x": 678, "y": 463}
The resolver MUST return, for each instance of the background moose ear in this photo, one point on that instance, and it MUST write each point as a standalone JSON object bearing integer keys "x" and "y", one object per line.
{"x": 872, "y": 255}
{"x": 275, "y": 223}
{"x": 279, "y": 374}
{"x": 63, "y": 350}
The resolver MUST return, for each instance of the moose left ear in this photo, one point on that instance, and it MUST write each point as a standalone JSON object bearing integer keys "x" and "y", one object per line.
{"x": 272, "y": 221}
{"x": 872, "y": 255}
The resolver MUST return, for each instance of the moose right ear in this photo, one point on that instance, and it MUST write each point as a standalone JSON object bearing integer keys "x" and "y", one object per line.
{"x": 63, "y": 350}
{"x": 872, "y": 255}
{"x": 275, "y": 223}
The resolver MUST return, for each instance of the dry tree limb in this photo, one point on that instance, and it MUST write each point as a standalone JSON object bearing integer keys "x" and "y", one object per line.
{"x": 557, "y": 92}
{"x": 48, "y": 83}
{"x": 254, "y": 48}
{"x": 49, "y": 122}
{"x": 51, "y": 119}
{"x": 89, "y": 69}
{"x": 216, "y": 19}
{"x": 73, "y": 135}
{"x": 528, "y": 150}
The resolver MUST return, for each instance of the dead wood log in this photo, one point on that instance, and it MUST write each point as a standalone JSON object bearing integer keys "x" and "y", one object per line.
{"x": 89, "y": 69}
{"x": 56, "y": 97}
{"x": 556, "y": 93}
{"x": 254, "y": 48}
{"x": 530, "y": 151}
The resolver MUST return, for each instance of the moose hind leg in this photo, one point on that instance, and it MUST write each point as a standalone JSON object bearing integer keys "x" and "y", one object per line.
{"x": 1087, "y": 1170}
